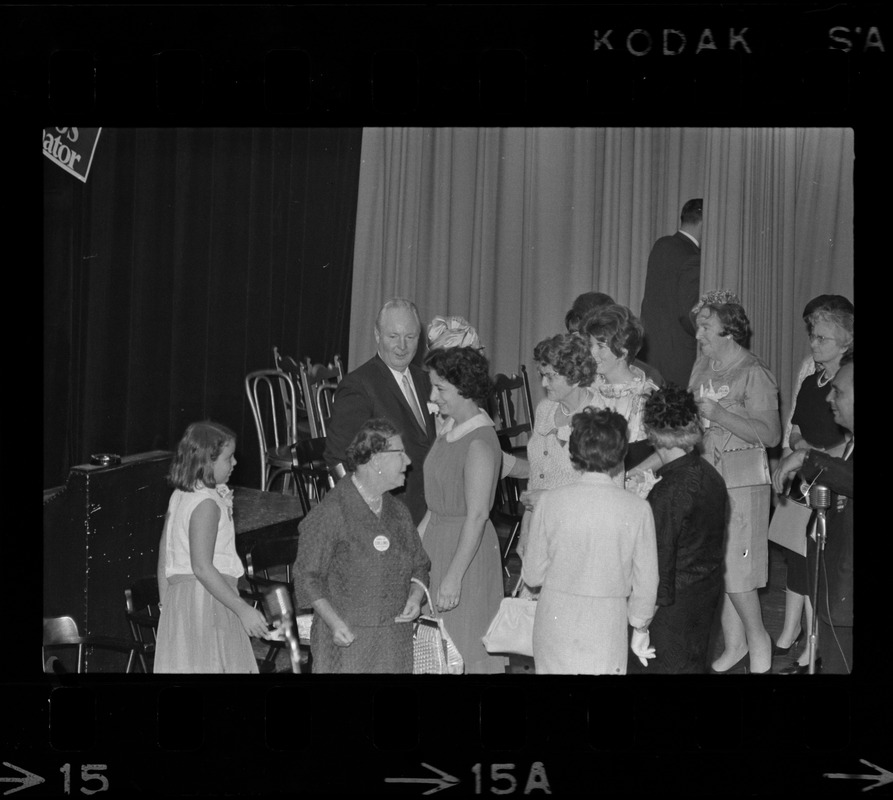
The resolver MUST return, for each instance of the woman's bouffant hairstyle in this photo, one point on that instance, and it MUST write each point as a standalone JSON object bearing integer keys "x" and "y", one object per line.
{"x": 584, "y": 305}
{"x": 617, "y": 327}
{"x": 193, "y": 463}
{"x": 733, "y": 320}
{"x": 671, "y": 418}
{"x": 464, "y": 367}
{"x": 841, "y": 318}
{"x": 598, "y": 440}
{"x": 569, "y": 355}
{"x": 372, "y": 438}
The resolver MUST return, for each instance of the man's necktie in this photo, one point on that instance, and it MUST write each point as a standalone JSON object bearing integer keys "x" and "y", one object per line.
{"x": 410, "y": 398}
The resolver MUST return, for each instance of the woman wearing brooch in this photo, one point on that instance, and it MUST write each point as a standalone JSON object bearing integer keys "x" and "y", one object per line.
{"x": 359, "y": 550}
{"x": 566, "y": 370}
{"x": 615, "y": 337}
{"x": 737, "y": 396}
{"x": 461, "y": 471}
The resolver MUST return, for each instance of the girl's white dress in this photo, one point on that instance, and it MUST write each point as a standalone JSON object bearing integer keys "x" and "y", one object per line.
{"x": 196, "y": 632}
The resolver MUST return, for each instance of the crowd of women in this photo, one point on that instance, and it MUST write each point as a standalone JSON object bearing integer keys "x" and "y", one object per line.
{"x": 647, "y": 511}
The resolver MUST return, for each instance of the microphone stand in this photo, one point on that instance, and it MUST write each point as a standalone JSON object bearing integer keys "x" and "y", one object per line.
{"x": 294, "y": 654}
{"x": 820, "y": 500}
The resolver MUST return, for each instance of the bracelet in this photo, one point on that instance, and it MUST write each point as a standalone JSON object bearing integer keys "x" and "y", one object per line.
{"x": 641, "y": 630}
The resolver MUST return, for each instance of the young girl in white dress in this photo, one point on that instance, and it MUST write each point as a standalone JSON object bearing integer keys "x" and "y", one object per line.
{"x": 204, "y": 624}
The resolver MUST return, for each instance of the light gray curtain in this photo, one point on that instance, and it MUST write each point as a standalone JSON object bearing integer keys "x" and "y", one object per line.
{"x": 505, "y": 226}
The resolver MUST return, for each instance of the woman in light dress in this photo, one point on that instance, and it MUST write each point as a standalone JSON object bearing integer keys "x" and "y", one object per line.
{"x": 615, "y": 337}
{"x": 592, "y": 549}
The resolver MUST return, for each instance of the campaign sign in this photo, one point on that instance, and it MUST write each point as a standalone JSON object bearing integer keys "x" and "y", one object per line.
{"x": 71, "y": 148}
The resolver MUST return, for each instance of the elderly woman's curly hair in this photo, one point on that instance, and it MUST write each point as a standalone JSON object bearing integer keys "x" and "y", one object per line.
{"x": 617, "y": 327}
{"x": 372, "y": 438}
{"x": 842, "y": 318}
{"x": 465, "y": 368}
{"x": 598, "y": 440}
{"x": 733, "y": 320}
{"x": 671, "y": 418}
{"x": 569, "y": 355}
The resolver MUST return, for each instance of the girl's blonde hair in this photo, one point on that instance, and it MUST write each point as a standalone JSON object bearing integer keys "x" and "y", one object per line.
{"x": 200, "y": 446}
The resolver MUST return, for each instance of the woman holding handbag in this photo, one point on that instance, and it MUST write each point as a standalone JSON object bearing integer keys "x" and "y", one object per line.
{"x": 737, "y": 397}
{"x": 830, "y": 324}
{"x": 359, "y": 552}
{"x": 593, "y": 551}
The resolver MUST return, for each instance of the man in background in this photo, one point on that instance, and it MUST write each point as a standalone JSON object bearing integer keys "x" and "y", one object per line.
{"x": 388, "y": 385}
{"x": 672, "y": 288}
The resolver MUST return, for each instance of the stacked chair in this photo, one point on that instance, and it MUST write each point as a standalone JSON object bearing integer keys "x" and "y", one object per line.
{"x": 511, "y": 409}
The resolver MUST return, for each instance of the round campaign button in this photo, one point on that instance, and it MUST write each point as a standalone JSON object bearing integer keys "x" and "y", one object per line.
{"x": 381, "y": 543}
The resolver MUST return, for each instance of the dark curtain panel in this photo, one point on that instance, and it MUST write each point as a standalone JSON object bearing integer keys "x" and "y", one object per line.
{"x": 170, "y": 274}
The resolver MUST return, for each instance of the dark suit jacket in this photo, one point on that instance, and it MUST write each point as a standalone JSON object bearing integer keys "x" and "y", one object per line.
{"x": 672, "y": 286}
{"x": 837, "y": 476}
{"x": 371, "y": 391}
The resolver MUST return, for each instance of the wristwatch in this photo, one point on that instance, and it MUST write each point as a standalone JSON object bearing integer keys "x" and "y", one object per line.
{"x": 641, "y": 630}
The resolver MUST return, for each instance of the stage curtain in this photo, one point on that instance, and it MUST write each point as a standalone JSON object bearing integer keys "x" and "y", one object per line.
{"x": 506, "y": 226}
{"x": 174, "y": 270}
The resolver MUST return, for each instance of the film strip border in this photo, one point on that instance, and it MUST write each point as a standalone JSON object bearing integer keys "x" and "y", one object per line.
{"x": 290, "y": 65}
{"x": 384, "y": 736}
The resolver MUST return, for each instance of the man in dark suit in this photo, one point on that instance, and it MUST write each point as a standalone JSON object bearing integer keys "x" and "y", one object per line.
{"x": 672, "y": 286}
{"x": 388, "y": 385}
{"x": 835, "y": 629}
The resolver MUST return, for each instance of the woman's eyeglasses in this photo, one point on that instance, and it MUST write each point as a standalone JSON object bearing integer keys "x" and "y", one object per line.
{"x": 821, "y": 339}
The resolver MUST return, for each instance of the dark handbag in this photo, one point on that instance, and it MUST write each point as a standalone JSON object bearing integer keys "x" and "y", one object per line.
{"x": 745, "y": 466}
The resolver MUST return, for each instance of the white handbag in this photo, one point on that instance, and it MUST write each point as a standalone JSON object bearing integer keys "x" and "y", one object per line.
{"x": 511, "y": 630}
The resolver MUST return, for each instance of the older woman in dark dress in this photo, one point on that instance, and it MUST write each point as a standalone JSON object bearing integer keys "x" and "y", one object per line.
{"x": 689, "y": 504}
{"x": 358, "y": 552}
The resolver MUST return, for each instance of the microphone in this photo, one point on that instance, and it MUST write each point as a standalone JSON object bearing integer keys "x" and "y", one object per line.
{"x": 279, "y": 608}
{"x": 820, "y": 497}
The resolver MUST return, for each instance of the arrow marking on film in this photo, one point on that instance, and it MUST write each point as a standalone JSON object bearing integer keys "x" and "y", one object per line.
{"x": 880, "y": 779}
{"x": 28, "y": 780}
{"x": 445, "y": 781}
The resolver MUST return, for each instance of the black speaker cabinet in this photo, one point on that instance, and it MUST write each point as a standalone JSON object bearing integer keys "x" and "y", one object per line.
{"x": 100, "y": 533}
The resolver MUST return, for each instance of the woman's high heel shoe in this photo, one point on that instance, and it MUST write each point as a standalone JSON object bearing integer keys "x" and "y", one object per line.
{"x": 783, "y": 651}
{"x": 727, "y": 671}
{"x": 797, "y": 669}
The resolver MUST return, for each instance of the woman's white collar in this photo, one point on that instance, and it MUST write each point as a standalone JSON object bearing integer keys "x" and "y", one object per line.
{"x": 453, "y": 432}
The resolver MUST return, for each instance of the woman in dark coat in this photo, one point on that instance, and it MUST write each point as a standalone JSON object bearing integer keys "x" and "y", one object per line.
{"x": 689, "y": 504}
{"x": 357, "y": 552}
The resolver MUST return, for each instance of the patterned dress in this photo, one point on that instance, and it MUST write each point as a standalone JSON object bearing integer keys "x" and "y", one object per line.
{"x": 362, "y": 564}
{"x": 627, "y": 399}
{"x": 482, "y": 589}
{"x": 749, "y": 387}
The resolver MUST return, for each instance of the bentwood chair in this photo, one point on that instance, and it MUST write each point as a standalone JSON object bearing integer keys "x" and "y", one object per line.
{"x": 311, "y": 474}
{"x": 142, "y": 609}
{"x": 318, "y": 385}
{"x": 273, "y": 399}
{"x": 510, "y": 393}
{"x": 61, "y": 636}
{"x": 288, "y": 365}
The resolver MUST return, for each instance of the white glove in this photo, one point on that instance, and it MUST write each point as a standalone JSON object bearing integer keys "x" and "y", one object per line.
{"x": 640, "y": 644}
